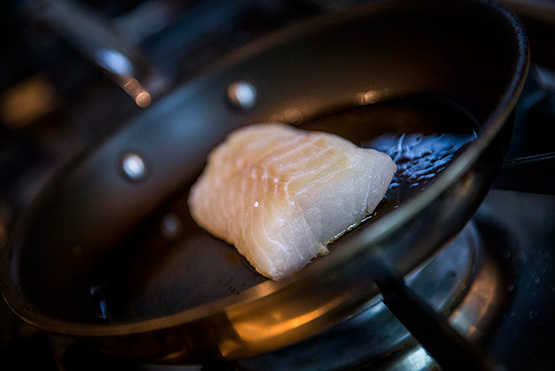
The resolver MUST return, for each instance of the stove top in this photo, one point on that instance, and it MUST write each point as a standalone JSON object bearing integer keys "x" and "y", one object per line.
{"x": 507, "y": 253}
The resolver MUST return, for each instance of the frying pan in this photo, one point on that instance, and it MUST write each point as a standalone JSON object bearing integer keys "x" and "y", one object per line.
{"x": 111, "y": 257}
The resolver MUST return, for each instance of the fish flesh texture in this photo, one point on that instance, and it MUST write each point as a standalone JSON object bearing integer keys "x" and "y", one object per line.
{"x": 280, "y": 194}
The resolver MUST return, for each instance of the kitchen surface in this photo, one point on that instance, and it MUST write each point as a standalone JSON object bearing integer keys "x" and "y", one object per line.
{"x": 60, "y": 94}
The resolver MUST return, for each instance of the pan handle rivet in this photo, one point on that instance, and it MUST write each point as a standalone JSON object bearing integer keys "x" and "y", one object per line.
{"x": 242, "y": 95}
{"x": 171, "y": 225}
{"x": 133, "y": 167}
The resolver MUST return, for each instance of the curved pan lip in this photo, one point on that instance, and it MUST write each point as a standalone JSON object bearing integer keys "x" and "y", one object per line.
{"x": 379, "y": 230}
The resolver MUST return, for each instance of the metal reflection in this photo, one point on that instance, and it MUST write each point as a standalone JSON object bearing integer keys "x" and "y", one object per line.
{"x": 136, "y": 91}
{"x": 97, "y": 40}
{"x": 255, "y": 332}
{"x": 113, "y": 61}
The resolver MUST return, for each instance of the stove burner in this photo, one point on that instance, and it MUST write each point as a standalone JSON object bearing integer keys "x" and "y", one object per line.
{"x": 465, "y": 281}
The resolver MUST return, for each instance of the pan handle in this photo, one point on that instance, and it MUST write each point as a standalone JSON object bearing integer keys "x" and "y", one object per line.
{"x": 96, "y": 40}
{"x": 528, "y": 174}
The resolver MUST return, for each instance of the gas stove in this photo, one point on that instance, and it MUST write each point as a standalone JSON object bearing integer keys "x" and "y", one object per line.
{"x": 495, "y": 281}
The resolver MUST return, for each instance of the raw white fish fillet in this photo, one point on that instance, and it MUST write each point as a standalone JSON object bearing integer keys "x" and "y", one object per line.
{"x": 279, "y": 194}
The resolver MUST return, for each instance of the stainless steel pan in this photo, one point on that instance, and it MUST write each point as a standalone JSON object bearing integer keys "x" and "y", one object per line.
{"x": 108, "y": 253}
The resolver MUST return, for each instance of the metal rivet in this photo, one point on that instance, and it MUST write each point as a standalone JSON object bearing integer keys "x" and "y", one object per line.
{"x": 171, "y": 225}
{"x": 133, "y": 167}
{"x": 293, "y": 116}
{"x": 242, "y": 95}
